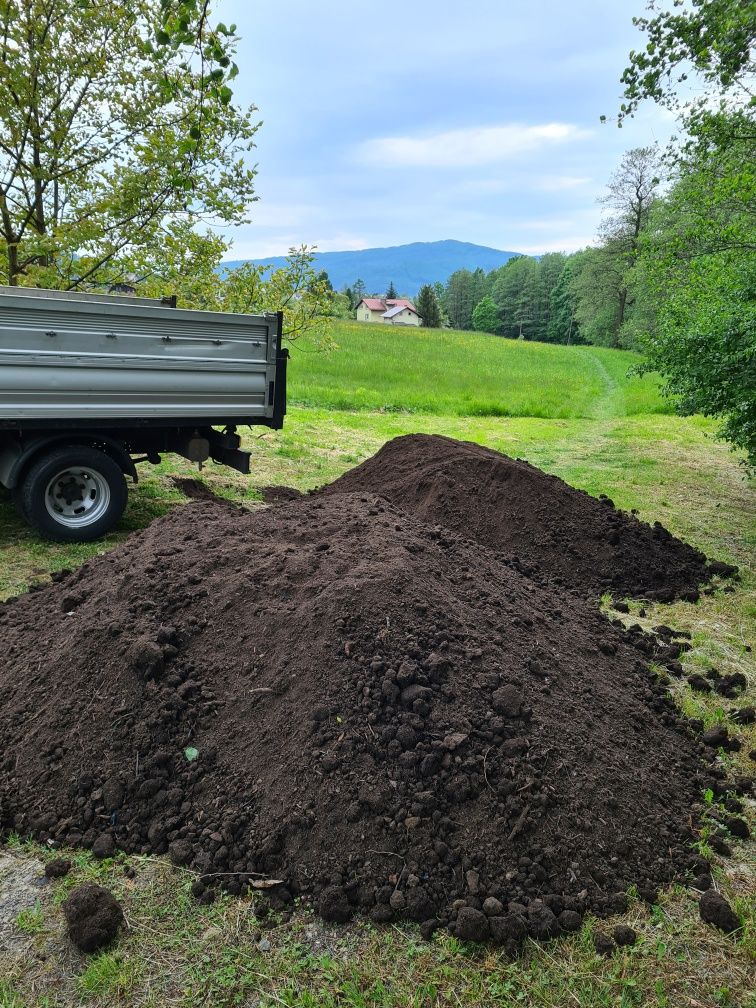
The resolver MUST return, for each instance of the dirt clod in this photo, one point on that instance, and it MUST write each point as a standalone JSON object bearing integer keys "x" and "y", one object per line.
{"x": 57, "y": 868}
{"x": 624, "y": 935}
{"x": 93, "y": 916}
{"x": 472, "y": 925}
{"x": 603, "y": 944}
{"x": 333, "y": 905}
{"x": 714, "y": 909}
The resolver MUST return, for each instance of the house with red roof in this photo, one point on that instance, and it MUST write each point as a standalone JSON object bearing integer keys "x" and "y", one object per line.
{"x": 395, "y": 311}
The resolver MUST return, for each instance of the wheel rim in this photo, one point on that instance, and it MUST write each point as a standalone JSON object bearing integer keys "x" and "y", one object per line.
{"x": 77, "y": 496}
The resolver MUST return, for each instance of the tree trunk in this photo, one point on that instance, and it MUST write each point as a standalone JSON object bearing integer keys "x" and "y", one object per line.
{"x": 620, "y": 318}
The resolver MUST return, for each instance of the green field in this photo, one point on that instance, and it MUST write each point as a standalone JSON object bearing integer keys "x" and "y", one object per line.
{"x": 572, "y": 411}
{"x": 380, "y": 367}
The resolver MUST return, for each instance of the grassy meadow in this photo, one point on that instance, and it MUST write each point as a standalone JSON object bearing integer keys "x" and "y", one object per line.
{"x": 575, "y": 412}
{"x": 387, "y": 368}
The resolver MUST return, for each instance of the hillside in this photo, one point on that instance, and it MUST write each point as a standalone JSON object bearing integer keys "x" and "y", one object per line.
{"x": 407, "y": 266}
{"x": 380, "y": 367}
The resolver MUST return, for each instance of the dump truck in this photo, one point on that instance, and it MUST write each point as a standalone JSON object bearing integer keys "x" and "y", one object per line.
{"x": 91, "y": 385}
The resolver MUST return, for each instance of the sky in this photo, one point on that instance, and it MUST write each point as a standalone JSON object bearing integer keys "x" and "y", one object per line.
{"x": 392, "y": 122}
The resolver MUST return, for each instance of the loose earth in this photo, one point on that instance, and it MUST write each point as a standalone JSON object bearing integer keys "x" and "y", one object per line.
{"x": 337, "y": 699}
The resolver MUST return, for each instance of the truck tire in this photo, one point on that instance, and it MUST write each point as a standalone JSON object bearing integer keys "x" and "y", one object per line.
{"x": 73, "y": 494}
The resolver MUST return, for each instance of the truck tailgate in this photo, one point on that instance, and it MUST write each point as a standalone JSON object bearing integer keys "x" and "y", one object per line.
{"x": 98, "y": 358}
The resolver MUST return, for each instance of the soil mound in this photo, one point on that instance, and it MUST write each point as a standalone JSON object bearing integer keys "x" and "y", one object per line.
{"x": 334, "y": 698}
{"x": 577, "y": 541}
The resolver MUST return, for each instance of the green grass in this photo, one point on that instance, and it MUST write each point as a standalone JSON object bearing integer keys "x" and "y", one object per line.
{"x": 179, "y": 954}
{"x": 380, "y": 367}
{"x": 31, "y": 920}
{"x": 600, "y": 430}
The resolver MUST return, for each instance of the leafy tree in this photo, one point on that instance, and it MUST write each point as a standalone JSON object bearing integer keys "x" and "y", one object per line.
{"x": 324, "y": 280}
{"x": 712, "y": 40}
{"x": 485, "y": 317}
{"x": 117, "y": 122}
{"x": 428, "y": 308}
{"x": 340, "y": 306}
{"x": 596, "y": 289}
{"x": 699, "y": 259}
{"x": 359, "y": 291}
{"x": 515, "y": 292}
{"x": 698, "y": 264}
{"x": 603, "y": 288}
{"x": 189, "y": 266}
{"x": 391, "y": 292}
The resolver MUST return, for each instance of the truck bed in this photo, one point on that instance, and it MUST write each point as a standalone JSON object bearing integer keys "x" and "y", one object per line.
{"x": 99, "y": 360}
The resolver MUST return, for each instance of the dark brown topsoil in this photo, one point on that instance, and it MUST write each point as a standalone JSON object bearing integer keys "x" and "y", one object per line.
{"x": 577, "y": 541}
{"x": 93, "y": 916}
{"x": 386, "y": 716}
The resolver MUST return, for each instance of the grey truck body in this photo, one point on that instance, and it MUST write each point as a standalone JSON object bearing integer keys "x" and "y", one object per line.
{"x": 96, "y": 359}
{"x": 97, "y": 383}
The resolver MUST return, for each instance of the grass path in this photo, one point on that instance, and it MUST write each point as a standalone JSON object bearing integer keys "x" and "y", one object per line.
{"x": 611, "y": 403}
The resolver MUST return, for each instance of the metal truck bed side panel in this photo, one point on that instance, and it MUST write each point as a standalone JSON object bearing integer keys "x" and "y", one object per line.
{"x": 74, "y": 359}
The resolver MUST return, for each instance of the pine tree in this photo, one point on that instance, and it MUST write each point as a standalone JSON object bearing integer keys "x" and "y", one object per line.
{"x": 563, "y": 327}
{"x": 460, "y": 298}
{"x": 391, "y": 292}
{"x": 427, "y": 307}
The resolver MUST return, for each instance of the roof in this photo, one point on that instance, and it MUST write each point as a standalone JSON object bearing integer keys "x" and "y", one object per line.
{"x": 381, "y": 304}
{"x": 374, "y": 304}
{"x": 399, "y": 308}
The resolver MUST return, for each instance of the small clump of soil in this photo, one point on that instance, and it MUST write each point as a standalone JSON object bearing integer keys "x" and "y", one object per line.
{"x": 57, "y": 868}
{"x": 279, "y": 494}
{"x": 577, "y": 541}
{"x": 336, "y": 699}
{"x": 93, "y": 917}
{"x": 194, "y": 489}
{"x": 714, "y": 909}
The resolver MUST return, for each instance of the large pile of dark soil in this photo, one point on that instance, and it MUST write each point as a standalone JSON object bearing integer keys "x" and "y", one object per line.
{"x": 575, "y": 540}
{"x": 386, "y": 716}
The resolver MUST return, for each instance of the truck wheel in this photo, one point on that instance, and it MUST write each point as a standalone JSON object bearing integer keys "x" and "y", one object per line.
{"x": 73, "y": 494}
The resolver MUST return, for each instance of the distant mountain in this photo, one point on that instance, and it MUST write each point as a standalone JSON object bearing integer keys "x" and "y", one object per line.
{"x": 407, "y": 266}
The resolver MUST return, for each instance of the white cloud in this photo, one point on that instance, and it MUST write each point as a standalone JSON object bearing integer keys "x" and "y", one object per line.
{"x": 547, "y": 224}
{"x": 342, "y": 243}
{"x": 558, "y": 183}
{"x": 466, "y": 148}
{"x": 252, "y": 244}
{"x": 280, "y": 215}
{"x": 569, "y": 244}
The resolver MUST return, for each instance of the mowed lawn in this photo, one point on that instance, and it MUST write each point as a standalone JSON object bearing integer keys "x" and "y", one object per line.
{"x": 575, "y": 412}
